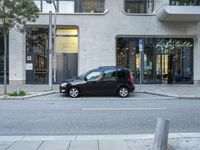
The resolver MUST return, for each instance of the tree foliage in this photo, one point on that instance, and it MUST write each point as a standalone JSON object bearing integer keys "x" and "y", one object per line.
{"x": 15, "y": 13}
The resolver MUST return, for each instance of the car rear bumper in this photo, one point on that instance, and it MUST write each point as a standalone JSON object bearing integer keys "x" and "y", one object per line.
{"x": 132, "y": 89}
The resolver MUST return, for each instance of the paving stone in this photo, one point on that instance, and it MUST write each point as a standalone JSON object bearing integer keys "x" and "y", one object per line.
{"x": 140, "y": 144}
{"x": 25, "y": 145}
{"x": 113, "y": 145}
{"x": 84, "y": 145}
{"x": 5, "y": 144}
{"x": 54, "y": 145}
{"x": 48, "y": 138}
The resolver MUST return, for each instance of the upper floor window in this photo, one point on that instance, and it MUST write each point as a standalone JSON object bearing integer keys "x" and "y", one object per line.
{"x": 139, "y": 6}
{"x": 90, "y": 6}
{"x": 185, "y": 2}
{"x": 72, "y": 6}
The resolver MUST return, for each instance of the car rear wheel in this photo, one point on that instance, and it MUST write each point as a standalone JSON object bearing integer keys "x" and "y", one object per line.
{"x": 123, "y": 92}
{"x": 74, "y": 92}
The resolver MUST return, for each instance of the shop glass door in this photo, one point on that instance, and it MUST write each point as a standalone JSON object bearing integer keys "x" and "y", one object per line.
{"x": 37, "y": 55}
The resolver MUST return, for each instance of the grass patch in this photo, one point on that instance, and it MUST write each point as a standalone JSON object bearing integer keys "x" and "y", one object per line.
{"x": 21, "y": 93}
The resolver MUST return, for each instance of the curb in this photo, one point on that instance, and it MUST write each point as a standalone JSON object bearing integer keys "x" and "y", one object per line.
{"x": 95, "y": 137}
{"x": 171, "y": 95}
{"x": 27, "y": 97}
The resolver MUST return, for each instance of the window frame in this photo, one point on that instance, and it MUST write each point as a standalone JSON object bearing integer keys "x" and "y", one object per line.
{"x": 75, "y": 7}
{"x": 137, "y": 13}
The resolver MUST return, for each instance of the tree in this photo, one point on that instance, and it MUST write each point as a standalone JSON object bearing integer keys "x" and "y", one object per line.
{"x": 15, "y": 13}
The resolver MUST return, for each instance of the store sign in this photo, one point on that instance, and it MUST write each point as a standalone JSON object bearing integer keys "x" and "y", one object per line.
{"x": 28, "y": 58}
{"x": 141, "y": 45}
{"x": 163, "y": 44}
{"x": 29, "y": 66}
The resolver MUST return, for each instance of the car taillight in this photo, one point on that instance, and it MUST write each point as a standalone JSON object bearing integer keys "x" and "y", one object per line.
{"x": 131, "y": 77}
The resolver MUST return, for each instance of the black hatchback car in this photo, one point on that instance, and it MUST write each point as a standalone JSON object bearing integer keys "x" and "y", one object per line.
{"x": 107, "y": 80}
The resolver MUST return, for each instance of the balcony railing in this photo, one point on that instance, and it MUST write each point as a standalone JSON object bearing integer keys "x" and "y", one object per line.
{"x": 184, "y": 2}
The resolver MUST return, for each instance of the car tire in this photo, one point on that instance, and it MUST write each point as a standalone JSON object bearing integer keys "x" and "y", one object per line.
{"x": 123, "y": 92}
{"x": 74, "y": 92}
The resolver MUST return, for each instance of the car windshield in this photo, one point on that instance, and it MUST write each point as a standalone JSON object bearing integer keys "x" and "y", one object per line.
{"x": 83, "y": 75}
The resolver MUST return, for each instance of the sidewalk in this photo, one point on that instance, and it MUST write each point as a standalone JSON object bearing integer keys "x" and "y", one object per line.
{"x": 187, "y": 141}
{"x": 187, "y": 91}
{"x": 31, "y": 90}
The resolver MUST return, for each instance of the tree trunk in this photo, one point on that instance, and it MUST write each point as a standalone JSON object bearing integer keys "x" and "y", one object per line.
{"x": 5, "y": 61}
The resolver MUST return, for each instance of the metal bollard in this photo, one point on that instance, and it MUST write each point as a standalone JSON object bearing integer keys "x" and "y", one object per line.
{"x": 161, "y": 134}
{"x": 18, "y": 90}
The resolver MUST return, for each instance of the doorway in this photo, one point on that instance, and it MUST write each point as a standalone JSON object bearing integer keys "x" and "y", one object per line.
{"x": 66, "y": 54}
{"x": 65, "y": 62}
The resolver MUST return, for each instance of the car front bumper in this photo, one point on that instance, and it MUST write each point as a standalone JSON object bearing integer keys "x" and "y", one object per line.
{"x": 62, "y": 89}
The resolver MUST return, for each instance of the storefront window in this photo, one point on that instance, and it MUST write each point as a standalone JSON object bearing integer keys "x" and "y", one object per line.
{"x": 65, "y": 58}
{"x": 139, "y": 6}
{"x": 72, "y": 6}
{"x": 36, "y": 55}
{"x": 164, "y": 60}
{"x": 185, "y": 2}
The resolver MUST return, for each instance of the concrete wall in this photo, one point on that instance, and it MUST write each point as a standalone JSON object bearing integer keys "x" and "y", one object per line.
{"x": 98, "y": 32}
{"x": 16, "y": 57}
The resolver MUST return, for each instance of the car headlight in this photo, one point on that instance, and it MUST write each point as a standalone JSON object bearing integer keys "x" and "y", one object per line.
{"x": 63, "y": 85}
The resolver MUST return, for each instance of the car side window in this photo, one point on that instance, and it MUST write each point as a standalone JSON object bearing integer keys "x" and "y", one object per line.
{"x": 94, "y": 76}
{"x": 109, "y": 74}
{"x": 121, "y": 74}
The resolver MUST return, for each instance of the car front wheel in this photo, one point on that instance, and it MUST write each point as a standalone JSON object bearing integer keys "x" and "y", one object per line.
{"x": 74, "y": 92}
{"x": 123, "y": 92}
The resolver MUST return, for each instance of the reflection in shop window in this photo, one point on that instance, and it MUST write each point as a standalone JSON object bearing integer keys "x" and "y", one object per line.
{"x": 37, "y": 55}
{"x": 139, "y": 6}
{"x": 164, "y": 60}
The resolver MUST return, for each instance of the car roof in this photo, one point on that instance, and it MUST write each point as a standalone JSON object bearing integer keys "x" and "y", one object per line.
{"x": 102, "y": 68}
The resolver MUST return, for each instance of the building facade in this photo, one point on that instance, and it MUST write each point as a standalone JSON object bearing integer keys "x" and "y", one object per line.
{"x": 92, "y": 33}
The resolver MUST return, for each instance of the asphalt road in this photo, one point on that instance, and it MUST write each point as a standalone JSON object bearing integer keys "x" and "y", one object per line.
{"x": 58, "y": 115}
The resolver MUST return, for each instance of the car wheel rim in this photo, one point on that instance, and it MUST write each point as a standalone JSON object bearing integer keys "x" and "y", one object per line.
{"x": 123, "y": 92}
{"x": 73, "y": 92}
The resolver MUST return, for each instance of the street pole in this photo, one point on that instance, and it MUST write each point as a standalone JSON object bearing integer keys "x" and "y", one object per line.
{"x": 140, "y": 70}
{"x": 50, "y": 50}
{"x": 55, "y": 63}
{"x": 141, "y": 47}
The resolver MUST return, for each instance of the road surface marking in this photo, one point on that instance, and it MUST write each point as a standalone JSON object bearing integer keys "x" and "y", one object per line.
{"x": 107, "y": 109}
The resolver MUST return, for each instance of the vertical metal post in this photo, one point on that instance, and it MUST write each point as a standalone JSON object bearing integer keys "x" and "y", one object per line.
{"x": 55, "y": 62}
{"x": 141, "y": 47}
{"x": 161, "y": 134}
{"x": 140, "y": 69}
{"x": 50, "y": 50}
